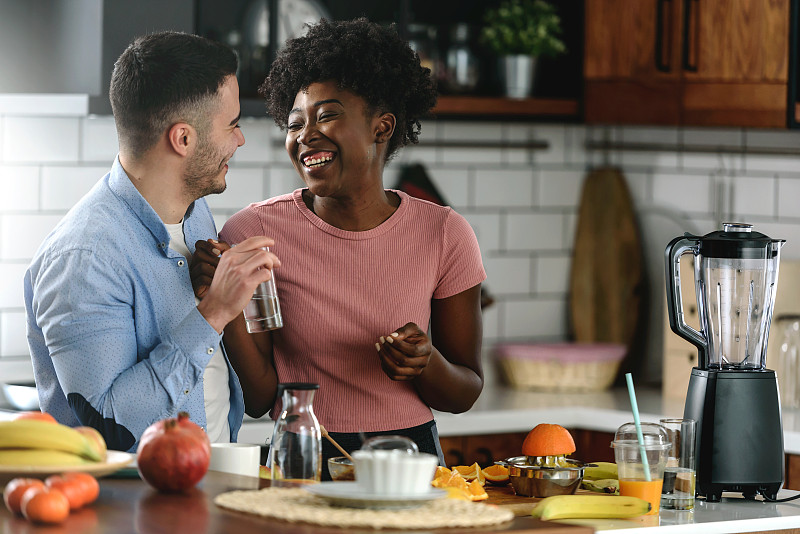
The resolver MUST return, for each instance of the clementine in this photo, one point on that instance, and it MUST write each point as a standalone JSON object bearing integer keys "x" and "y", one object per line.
{"x": 548, "y": 440}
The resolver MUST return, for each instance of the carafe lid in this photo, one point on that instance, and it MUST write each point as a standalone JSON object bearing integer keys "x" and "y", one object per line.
{"x": 737, "y": 240}
{"x": 653, "y": 434}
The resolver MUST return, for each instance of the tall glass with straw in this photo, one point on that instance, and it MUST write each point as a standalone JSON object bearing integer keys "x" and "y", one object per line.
{"x": 640, "y": 450}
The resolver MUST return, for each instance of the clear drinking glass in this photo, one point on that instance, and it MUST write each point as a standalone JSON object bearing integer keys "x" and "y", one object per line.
{"x": 296, "y": 447}
{"x": 263, "y": 311}
{"x": 678, "y": 490}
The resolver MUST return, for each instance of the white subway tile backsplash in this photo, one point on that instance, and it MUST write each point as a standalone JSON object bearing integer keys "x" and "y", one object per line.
{"x": 284, "y": 179}
{"x": 487, "y": 230}
{"x": 12, "y": 275}
{"x": 757, "y": 163}
{"x": 519, "y": 133}
{"x": 40, "y": 139}
{"x": 21, "y": 235}
{"x": 780, "y": 230}
{"x": 640, "y": 187}
{"x": 99, "y": 143}
{"x": 11, "y": 342}
{"x": 684, "y": 193}
{"x": 508, "y": 275}
{"x": 62, "y": 187}
{"x": 20, "y": 186}
{"x": 534, "y": 231}
{"x": 656, "y": 135}
{"x": 472, "y": 155}
{"x": 789, "y": 197}
{"x": 535, "y": 318}
{"x": 754, "y": 197}
{"x": 244, "y": 186}
{"x": 556, "y": 153}
{"x": 576, "y": 145}
{"x": 713, "y": 161}
{"x": 485, "y": 132}
{"x": 422, "y": 153}
{"x": 504, "y": 188}
{"x": 713, "y": 137}
{"x": 258, "y": 142}
{"x": 219, "y": 220}
{"x": 642, "y": 159}
{"x": 552, "y": 274}
{"x": 491, "y": 322}
{"x": 560, "y": 188}
{"x": 452, "y": 184}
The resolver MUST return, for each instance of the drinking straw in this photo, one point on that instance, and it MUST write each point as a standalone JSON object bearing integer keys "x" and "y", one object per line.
{"x": 635, "y": 408}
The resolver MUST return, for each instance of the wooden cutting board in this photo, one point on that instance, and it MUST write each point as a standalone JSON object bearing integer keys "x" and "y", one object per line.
{"x": 521, "y": 506}
{"x": 607, "y": 277}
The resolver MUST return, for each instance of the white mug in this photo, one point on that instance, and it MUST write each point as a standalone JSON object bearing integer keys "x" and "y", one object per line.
{"x": 235, "y": 458}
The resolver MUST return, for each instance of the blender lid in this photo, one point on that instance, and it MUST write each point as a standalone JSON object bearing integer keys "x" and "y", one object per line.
{"x": 736, "y": 240}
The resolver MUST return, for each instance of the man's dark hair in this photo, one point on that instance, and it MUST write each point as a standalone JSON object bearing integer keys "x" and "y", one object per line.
{"x": 164, "y": 78}
{"x": 365, "y": 58}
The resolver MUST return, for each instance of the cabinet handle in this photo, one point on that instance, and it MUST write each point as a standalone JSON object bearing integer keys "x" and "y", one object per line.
{"x": 687, "y": 36}
{"x": 661, "y": 65}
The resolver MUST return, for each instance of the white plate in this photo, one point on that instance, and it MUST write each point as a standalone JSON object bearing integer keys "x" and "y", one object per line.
{"x": 351, "y": 495}
{"x": 115, "y": 460}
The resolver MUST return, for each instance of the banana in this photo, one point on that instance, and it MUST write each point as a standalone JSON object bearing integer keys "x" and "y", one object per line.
{"x": 589, "y": 506}
{"x": 603, "y": 485}
{"x": 35, "y": 434}
{"x": 602, "y": 471}
{"x": 39, "y": 457}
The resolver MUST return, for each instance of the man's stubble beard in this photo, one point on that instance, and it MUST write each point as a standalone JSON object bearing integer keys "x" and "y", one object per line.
{"x": 200, "y": 178}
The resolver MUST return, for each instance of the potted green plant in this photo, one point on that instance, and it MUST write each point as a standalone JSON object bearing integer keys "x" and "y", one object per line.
{"x": 519, "y": 32}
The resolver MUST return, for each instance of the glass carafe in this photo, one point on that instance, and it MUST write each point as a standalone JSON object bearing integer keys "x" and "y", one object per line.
{"x": 296, "y": 446}
{"x": 736, "y": 274}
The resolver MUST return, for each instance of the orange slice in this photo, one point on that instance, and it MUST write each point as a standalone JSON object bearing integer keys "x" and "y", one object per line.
{"x": 496, "y": 474}
{"x": 470, "y": 472}
{"x": 476, "y": 491}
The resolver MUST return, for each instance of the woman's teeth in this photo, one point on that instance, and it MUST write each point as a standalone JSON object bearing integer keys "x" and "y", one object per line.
{"x": 314, "y": 162}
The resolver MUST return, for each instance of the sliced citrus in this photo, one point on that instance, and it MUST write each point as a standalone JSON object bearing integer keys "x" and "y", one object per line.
{"x": 453, "y": 480}
{"x": 470, "y": 472}
{"x": 548, "y": 440}
{"x": 496, "y": 474}
{"x": 476, "y": 491}
{"x": 441, "y": 471}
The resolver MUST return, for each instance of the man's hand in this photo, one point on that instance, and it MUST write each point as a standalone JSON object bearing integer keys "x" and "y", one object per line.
{"x": 234, "y": 278}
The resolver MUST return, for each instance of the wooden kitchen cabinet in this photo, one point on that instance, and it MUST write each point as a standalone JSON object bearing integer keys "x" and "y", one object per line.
{"x": 687, "y": 62}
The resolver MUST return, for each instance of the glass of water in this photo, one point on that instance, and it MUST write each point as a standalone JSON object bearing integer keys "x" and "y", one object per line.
{"x": 263, "y": 312}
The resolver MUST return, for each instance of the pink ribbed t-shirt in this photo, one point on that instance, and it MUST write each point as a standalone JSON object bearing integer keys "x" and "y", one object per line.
{"x": 341, "y": 290}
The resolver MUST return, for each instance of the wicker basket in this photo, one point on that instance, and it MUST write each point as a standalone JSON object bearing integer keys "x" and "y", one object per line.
{"x": 561, "y": 366}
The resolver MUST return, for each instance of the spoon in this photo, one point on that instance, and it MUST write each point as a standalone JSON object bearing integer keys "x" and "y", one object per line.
{"x": 333, "y": 441}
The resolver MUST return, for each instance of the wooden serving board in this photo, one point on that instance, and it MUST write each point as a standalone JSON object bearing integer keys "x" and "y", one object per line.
{"x": 521, "y": 506}
{"x": 607, "y": 277}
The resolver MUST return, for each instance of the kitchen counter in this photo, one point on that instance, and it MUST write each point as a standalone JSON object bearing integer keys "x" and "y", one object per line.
{"x": 129, "y": 505}
{"x": 502, "y": 409}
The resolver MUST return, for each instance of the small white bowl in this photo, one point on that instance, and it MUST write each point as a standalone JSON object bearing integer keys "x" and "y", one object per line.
{"x": 394, "y": 473}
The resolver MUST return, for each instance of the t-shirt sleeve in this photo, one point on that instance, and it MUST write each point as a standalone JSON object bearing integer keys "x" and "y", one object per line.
{"x": 461, "y": 266}
{"x": 242, "y": 225}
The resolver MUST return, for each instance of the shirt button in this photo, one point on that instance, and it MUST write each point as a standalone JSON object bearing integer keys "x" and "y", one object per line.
{"x": 185, "y": 391}
{"x": 162, "y": 245}
{"x": 210, "y": 350}
{"x": 180, "y": 263}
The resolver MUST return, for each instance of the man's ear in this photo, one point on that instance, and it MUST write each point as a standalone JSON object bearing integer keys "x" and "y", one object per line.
{"x": 181, "y": 136}
{"x": 384, "y": 127}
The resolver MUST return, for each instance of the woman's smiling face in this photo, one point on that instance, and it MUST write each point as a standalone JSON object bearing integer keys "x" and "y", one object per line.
{"x": 331, "y": 139}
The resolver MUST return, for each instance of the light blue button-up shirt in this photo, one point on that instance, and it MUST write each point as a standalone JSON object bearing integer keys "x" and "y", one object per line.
{"x": 115, "y": 336}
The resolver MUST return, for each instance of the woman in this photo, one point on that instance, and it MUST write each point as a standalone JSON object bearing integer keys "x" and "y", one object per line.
{"x": 364, "y": 272}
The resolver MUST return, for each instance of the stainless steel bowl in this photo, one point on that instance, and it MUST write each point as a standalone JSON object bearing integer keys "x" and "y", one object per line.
{"x": 541, "y": 481}
{"x": 22, "y": 396}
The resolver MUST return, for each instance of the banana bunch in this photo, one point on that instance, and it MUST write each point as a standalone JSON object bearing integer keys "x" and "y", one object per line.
{"x": 35, "y": 442}
{"x": 601, "y": 478}
{"x": 590, "y": 507}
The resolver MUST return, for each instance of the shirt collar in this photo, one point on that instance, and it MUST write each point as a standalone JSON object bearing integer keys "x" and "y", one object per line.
{"x": 121, "y": 185}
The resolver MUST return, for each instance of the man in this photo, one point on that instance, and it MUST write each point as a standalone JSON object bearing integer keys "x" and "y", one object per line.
{"x": 117, "y": 338}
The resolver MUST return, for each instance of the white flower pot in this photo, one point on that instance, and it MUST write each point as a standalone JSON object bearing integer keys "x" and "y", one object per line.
{"x": 518, "y": 73}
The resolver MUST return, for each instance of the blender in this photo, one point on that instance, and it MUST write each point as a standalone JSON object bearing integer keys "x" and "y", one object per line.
{"x": 732, "y": 395}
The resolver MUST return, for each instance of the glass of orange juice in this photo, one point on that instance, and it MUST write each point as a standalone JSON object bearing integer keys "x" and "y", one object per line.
{"x": 640, "y": 466}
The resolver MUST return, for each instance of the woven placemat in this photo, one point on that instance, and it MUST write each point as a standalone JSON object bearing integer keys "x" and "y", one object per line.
{"x": 298, "y": 505}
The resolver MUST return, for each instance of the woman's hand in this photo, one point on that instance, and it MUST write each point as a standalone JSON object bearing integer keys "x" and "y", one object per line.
{"x": 204, "y": 264}
{"x": 404, "y": 353}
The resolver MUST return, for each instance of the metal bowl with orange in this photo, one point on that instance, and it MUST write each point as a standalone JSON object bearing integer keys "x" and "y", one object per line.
{"x": 544, "y": 469}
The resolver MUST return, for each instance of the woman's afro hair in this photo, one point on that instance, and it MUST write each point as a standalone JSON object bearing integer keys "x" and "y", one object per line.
{"x": 365, "y": 58}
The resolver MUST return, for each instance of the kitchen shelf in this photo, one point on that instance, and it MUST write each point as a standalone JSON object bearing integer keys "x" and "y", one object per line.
{"x": 477, "y": 106}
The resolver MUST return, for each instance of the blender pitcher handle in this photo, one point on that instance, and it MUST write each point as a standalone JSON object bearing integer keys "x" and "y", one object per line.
{"x": 676, "y": 248}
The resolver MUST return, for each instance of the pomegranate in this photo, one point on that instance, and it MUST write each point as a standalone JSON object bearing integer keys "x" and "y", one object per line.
{"x": 173, "y": 454}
